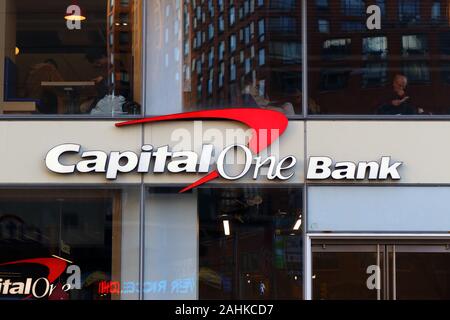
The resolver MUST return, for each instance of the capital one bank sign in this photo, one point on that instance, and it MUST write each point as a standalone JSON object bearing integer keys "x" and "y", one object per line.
{"x": 266, "y": 126}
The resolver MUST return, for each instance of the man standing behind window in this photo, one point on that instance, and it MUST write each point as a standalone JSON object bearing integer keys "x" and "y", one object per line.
{"x": 400, "y": 102}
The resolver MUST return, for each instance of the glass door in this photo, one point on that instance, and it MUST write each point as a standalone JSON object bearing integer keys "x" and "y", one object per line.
{"x": 367, "y": 270}
{"x": 421, "y": 272}
{"x": 342, "y": 271}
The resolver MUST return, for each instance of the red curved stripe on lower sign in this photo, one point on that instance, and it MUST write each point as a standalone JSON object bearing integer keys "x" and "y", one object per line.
{"x": 268, "y": 126}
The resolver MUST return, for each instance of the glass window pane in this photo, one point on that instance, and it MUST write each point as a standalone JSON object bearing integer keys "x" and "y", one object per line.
{"x": 409, "y": 11}
{"x": 341, "y": 273}
{"x": 353, "y": 7}
{"x": 258, "y": 42}
{"x": 92, "y": 232}
{"x": 378, "y": 57}
{"x": 248, "y": 246}
{"x": 61, "y": 58}
{"x": 423, "y": 275}
{"x": 324, "y": 26}
{"x": 224, "y": 243}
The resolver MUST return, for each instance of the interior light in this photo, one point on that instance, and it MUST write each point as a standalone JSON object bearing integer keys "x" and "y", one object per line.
{"x": 298, "y": 224}
{"x": 226, "y": 227}
{"x": 74, "y": 17}
{"x": 73, "y": 13}
{"x": 17, "y": 51}
{"x": 58, "y": 257}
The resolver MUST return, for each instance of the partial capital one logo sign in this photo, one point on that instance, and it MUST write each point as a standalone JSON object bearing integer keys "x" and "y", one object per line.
{"x": 39, "y": 287}
{"x": 267, "y": 126}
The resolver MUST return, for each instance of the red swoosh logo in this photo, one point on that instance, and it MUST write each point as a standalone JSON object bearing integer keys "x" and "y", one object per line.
{"x": 55, "y": 266}
{"x": 260, "y": 120}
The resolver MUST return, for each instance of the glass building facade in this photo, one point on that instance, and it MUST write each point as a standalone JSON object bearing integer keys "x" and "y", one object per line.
{"x": 356, "y": 81}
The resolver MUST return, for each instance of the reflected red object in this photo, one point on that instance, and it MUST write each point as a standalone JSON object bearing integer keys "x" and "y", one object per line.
{"x": 107, "y": 287}
{"x": 55, "y": 267}
{"x": 59, "y": 293}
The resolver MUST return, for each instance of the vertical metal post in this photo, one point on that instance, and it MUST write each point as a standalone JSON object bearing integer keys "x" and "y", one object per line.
{"x": 378, "y": 276}
{"x": 304, "y": 44}
{"x": 388, "y": 287}
{"x": 307, "y": 256}
{"x": 144, "y": 57}
{"x": 142, "y": 242}
{"x": 394, "y": 275}
{"x": 142, "y": 191}
{"x": 308, "y": 269}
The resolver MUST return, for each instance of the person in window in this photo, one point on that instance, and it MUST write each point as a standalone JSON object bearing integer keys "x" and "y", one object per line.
{"x": 252, "y": 97}
{"x": 105, "y": 100}
{"x": 400, "y": 102}
{"x": 313, "y": 107}
{"x": 99, "y": 60}
{"x": 46, "y": 71}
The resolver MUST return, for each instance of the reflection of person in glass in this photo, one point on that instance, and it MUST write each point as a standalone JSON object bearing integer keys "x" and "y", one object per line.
{"x": 400, "y": 102}
{"x": 262, "y": 288}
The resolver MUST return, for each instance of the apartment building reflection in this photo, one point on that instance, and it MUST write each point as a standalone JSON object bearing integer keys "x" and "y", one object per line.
{"x": 243, "y": 53}
{"x": 352, "y": 68}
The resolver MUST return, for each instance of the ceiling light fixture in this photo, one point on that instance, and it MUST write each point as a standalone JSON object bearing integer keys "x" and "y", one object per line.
{"x": 226, "y": 227}
{"x": 298, "y": 224}
{"x": 73, "y": 13}
{"x": 58, "y": 257}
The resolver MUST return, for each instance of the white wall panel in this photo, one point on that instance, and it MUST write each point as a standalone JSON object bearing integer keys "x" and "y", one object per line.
{"x": 378, "y": 209}
{"x": 423, "y": 146}
{"x": 24, "y": 146}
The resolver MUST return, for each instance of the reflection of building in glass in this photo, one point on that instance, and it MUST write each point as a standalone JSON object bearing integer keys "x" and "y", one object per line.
{"x": 348, "y": 60}
{"x": 120, "y": 40}
{"x": 235, "y": 51}
{"x": 76, "y": 226}
{"x": 262, "y": 249}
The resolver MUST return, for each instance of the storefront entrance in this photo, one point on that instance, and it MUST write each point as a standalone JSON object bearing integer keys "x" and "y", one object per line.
{"x": 380, "y": 269}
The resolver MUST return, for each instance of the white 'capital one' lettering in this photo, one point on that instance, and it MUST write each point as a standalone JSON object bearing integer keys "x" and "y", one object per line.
{"x": 52, "y": 160}
{"x": 161, "y": 160}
